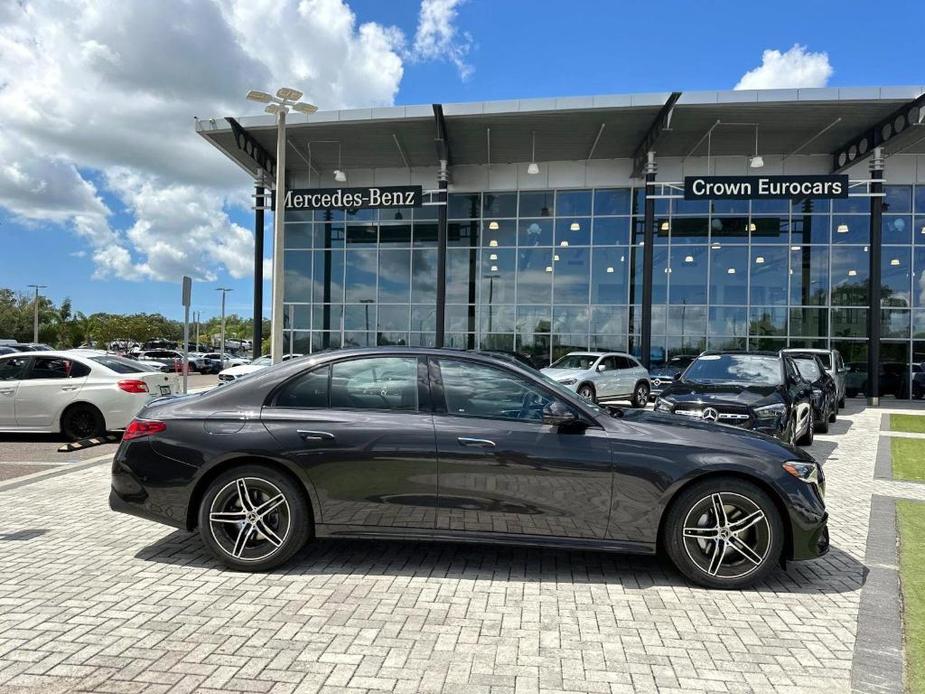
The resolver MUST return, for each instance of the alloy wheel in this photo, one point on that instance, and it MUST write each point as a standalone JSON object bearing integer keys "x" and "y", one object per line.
{"x": 586, "y": 392}
{"x": 250, "y": 519}
{"x": 726, "y": 535}
{"x": 642, "y": 395}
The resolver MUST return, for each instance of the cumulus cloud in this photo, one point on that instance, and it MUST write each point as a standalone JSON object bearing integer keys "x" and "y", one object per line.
{"x": 794, "y": 68}
{"x": 98, "y": 97}
{"x": 437, "y": 38}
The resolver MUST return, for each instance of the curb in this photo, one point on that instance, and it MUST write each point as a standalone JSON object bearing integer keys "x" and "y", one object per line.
{"x": 878, "y": 665}
{"x": 885, "y": 422}
{"x": 63, "y": 470}
{"x": 883, "y": 463}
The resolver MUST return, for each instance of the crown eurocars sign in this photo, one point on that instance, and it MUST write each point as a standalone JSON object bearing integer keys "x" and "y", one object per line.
{"x": 354, "y": 198}
{"x": 764, "y": 187}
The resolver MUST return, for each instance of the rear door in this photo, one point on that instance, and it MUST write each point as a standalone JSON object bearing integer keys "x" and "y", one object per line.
{"x": 626, "y": 378}
{"x": 607, "y": 381}
{"x": 51, "y": 384}
{"x": 363, "y": 431}
{"x": 12, "y": 370}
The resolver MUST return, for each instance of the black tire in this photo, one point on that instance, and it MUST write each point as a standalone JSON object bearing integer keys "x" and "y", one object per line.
{"x": 695, "y": 556}
{"x": 841, "y": 403}
{"x": 822, "y": 424}
{"x": 640, "y": 395}
{"x": 82, "y": 421}
{"x": 807, "y": 438}
{"x": 833, "y": 415}
{"x": 290, "y": 522}
{"x": 586, "y": 390}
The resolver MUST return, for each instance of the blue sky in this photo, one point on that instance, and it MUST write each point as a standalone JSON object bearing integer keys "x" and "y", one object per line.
{"x": 523, "y": 48}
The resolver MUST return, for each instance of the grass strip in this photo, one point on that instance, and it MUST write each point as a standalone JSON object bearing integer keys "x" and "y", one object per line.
{"x": 911, "y": 522}
{"x": 910, "y": 423}
{"x": 908, "y": 457}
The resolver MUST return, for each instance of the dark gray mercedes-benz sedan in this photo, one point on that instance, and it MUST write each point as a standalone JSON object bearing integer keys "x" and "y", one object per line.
{"x": 445, "y": 445}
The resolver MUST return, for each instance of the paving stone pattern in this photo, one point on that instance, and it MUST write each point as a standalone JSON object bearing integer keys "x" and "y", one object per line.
{"x": 107, "y": 603}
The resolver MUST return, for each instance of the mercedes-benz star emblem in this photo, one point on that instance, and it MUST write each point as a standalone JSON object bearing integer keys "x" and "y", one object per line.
{"x": 710, "y": 415}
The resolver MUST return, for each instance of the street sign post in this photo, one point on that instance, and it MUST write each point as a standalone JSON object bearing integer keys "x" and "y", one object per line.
{"x": 187, "y": 295}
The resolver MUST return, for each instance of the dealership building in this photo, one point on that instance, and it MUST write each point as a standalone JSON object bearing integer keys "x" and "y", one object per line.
{"x": 659, "y": 224}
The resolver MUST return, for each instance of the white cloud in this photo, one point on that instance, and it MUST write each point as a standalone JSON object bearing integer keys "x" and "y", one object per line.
{"x": 794, "y": 68}
{"x": 436, "y": 37}
{"x": 98, "y": 97}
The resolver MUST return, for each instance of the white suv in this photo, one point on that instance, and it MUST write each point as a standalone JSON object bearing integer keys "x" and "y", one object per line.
{"x": 602, "y": 376}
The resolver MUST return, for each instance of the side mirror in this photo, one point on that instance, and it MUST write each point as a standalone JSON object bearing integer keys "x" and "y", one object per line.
{"x": 677, "y": 376}
{"x": 601, "y": 368}
{"x": 557, "y": 414}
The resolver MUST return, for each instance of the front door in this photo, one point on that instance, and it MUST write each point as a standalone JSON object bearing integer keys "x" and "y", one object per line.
{"x": 51, "y": 384}
{"x": 363, "y": 432}
{"x": 12, "y": 370}
{"x": 502, "y": 470}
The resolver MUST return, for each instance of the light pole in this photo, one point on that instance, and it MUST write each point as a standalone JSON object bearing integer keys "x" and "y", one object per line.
{"x": 35, "y": 311}
{"x": 279, "y": 106}
{"x": 221, "y": 353}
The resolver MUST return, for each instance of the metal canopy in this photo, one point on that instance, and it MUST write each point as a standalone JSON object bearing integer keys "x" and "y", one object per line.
{"x": 807, "y": 121}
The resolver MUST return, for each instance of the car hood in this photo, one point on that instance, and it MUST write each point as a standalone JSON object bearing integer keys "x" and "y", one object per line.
{"x": 563, "y": 374}
{"x": 658, "y": 426}
{"x": 739, "y": 394}
{"x": 664, "y": 371}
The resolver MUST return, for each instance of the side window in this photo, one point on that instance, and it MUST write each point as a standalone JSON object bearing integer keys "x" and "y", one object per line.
{"x": 610, "y": 363}
{"x": 79, "y": 370}
{"x": 377, "y": 383}
{"x": 50, "y": 368}
{"x": 310, "y": 389}
{"x": 623, "y": 363}
{"x": 12, "y": 369}
{"x": 476, "y": 390}
{"x": 632, "y": 363}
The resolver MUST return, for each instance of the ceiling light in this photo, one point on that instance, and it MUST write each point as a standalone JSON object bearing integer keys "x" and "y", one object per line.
{"x": 493, "y": 256}
{"x": 794, "y": 248}
{"x": 760, "y": 260}
{"x": 791, "y": 271}
{"x": 549, "y": 268}
{"x": 923, "y": 228}
{"x": 493, "y": 243}
{"x": 751, "y": 226}
{"x": 621, "y": 259}
{"x": 852, "y": 273}
{"x": 610, "y": 268}
{"x": 340, "y": 176}
{"x": 288, "y": 94}
{"x": 494, "y": 268}
{"x": 715, "y": 246}
{"x": 532, "y": 168}
{"x": 731, "y": 271}
{"x": 262, "y": 97}
{"x": 842, "y": 229}
{"x": 493, "y": 225}
{"x": 564, "y": 244}
{"x": 667, "y": 270}
{"x": 555, "y": 258}
{"x": 665, "y": 226}
{"x": 575, "y": 226}
{"x": 894, "y": 262}
{"x": 688, "y": 259}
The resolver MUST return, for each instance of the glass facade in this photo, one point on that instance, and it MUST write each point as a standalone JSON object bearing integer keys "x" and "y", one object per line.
{"x": 547, "y": 272}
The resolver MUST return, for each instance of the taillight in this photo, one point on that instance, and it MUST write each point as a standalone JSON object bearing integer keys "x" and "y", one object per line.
{"x": 138, "y": 428}
{"x": 132, "y": 385}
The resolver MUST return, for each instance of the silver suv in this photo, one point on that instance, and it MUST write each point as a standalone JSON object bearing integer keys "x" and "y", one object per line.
{"x": 834, "y": 367}
{"x": 602, "y": 376}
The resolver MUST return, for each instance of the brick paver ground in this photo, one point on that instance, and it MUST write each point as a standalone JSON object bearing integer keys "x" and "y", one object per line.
{"x": 106, "y": 603}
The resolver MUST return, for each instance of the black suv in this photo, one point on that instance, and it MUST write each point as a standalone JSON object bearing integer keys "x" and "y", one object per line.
{"x": 761, "y": 391}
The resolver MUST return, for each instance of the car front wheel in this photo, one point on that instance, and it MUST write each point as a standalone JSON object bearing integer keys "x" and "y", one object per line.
{"x": 724, "y": 533}
{"x": 641, "y": 395}
{"x": 586, "y": 390}
{"x": 254, "y": 518}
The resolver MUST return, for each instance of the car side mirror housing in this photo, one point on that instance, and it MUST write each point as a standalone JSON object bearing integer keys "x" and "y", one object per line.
{"x": 557, "y": 414}
{"x": 677, "y": 376}
{"x": 601, "y": 368}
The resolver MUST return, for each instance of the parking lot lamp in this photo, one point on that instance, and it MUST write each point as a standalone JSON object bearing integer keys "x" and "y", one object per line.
{"x": 35, "y": 311}
{"x": 279, "y": 106}
{"x": 221, "y": 352}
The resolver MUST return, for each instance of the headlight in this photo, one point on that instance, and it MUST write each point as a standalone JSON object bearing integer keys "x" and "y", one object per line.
{"x": 771, "y": 411}
{"x": 805, "y": 472}
{"x": 662, "y": 405}
{"x": 569, "y": 381}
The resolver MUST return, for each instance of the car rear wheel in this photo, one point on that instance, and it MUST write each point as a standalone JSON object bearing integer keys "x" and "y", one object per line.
{"x": 254, "y": 518}
{"x": 724, "y": 533}
{"x": 841, "y": 403}
{"x": 641, "y": 395}
{"x": 586, "y": 390}
{"x": 82, "y": 421}
{"x": 822, "y": 424}
{"x": 807, "y": 438}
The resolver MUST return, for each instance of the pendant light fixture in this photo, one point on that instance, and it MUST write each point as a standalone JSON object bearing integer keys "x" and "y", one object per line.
{"x": 533, "y": 168}
{"x": 756, "y": 162}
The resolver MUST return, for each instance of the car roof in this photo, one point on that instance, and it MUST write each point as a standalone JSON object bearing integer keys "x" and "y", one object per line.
{"x": 759, "y": 353}
{"x": 806, "y": 350}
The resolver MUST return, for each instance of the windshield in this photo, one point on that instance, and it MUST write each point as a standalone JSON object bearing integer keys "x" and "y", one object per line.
{"x": 808, "y": 369}
{"x": 575, "y": 361}
{"x": 118, "y": 364}
{"x": 262, "y": 361}
{"x": 746, "y": 369}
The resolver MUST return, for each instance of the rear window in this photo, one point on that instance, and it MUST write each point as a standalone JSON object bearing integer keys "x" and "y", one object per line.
{"x": 118, "y": 364}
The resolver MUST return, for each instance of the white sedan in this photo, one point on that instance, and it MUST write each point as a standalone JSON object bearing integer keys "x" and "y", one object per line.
{"x": 236, "y": 372}
{"x": 79, "y": 394}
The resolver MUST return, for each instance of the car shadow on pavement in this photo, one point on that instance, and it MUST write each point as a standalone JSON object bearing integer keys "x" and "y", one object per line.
{"x": 837, "y": 572}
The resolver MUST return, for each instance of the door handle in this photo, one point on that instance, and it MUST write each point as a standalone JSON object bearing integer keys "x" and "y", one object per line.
{"x": 476, "y": 443}
{"x": 316, "y": 435}
{"x": 68, "y": 387}
{"x": 6, "y": 391}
